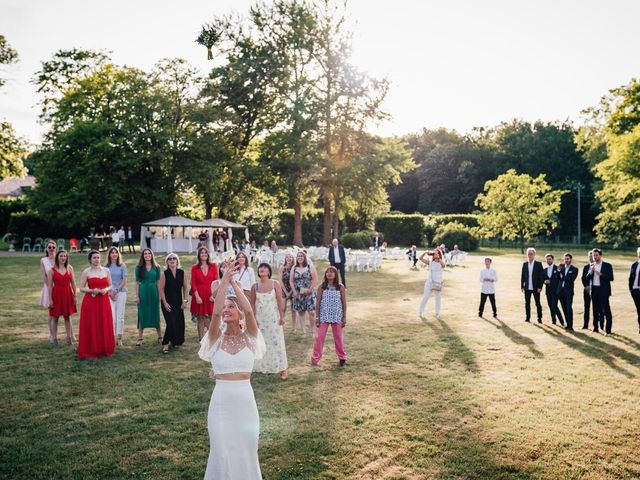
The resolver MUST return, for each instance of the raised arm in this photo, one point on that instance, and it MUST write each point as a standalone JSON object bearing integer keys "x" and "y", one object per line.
{"x": 422, "y": 259}
{"x": 245, "y": 306}
{"x": 218, "y": 303}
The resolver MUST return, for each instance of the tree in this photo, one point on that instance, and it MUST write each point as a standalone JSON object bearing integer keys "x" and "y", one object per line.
{"x": 8, "y": 55}
{"x": 620, "y": 194}
{"x": 12, "y": 147}
{"x": 518, "y": 207}
{"x": 12, "y": 150}
{"x": 111, "y": 142}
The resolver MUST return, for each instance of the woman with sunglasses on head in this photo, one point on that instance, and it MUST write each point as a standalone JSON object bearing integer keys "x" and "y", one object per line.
{"x": 173, "y": 293}
{"x": 246, "y": 277}
{"x": 147, "y": 296}
{"x": 202, "y": 274}
{"x": 268, "y": 304}
{"x": 96, "y": 320}
{"x": 46, "y": 264}
{"x": 62, "y": 300}
{"x": 118, "y": 293}
{"x": 233, "y": 420}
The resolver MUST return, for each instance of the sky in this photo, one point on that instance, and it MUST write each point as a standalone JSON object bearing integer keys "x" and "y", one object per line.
{"x": 456, "y": 64}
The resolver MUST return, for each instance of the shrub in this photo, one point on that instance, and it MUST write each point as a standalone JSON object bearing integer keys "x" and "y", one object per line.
{"x": 456, "y": 233}
{"x": 357, "y": 240}
{"x": 404, "y": 229}
{"x": 27, "y": 224}
{"x": 7, "y": 207}
{"x": 466, "y": 219}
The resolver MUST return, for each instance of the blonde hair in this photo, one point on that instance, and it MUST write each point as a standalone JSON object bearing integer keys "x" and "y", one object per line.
{"x": 172, "y": 255}
{"x": 243, "y": 319}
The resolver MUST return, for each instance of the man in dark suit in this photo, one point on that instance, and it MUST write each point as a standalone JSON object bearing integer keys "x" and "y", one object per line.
{"x": 601, "y": 275}
{"x": 567, "y": 275}
{"x": 586, "y": 293}
{"x": 531, "y": 281}
{"x": 338, "y": 259}
{"x": 376, "y": 241}
{"x": 634, "y": 285}
{"x": 551, "y": 283}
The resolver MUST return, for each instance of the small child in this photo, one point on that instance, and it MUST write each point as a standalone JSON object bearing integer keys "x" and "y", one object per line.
{"x": 488, "y": 278}
{"x": 331, "y": 309}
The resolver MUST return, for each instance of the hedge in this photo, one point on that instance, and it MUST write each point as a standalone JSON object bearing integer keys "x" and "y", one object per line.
{"x": 357, "y": 240}
{"x": 404, "y": 229}
{"x": 456, "y": 233}
{"x": 27, "y": 224}
{"x": 7, "y": 207}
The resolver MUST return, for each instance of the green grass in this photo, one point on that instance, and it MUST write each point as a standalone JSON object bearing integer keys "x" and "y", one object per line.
{"x": 459, "y": 398}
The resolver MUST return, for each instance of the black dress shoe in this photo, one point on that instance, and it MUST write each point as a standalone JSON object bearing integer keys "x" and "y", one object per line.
{"x": 561, "y": 321}
{"x": 569, "y": 329}
{"x": 585, "y": 328}
{"x": 495, "y": 315}
{"x": 552, "y": 323}
{"x": 596, "y": 331}
{"x": 527, "y": 320}
{"x": 342, "y": 363}
{"x": 539, "y": 320}
{"x": 480, "y": 314}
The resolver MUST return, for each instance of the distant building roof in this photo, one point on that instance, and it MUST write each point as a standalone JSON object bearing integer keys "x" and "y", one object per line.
{"x": 16, "y": 186}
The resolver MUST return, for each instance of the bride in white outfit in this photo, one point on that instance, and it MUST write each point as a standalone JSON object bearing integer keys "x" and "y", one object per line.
{"x": 233, "y": 421}
{"x": 434, "y": 281}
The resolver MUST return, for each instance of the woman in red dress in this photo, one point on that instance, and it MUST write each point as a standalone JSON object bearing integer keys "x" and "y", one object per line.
{"x": 96, "y": 320}
{"x": 203, "y": 274}
{"x": 62, "y": 295}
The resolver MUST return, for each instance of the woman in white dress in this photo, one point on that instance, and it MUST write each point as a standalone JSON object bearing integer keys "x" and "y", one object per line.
{"x": 46, "y": 264}
{"x": 434, "y": 281}
{"x": 268, "y": 304}
{"x": 233, "y": 421}
{"x": 245, "y": 275}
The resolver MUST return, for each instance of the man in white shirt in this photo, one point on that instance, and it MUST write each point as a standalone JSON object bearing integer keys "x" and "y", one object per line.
{"x": 338, "y": 259}
{"x": 115, "y": 237}
{"x": 488, "y": 279}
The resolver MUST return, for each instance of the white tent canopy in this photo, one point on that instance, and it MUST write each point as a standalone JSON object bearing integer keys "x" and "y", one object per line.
{"x": 180, "y": 234}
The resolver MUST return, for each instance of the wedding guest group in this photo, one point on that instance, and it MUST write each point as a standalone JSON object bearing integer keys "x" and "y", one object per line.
{"x": 488, "y": 279}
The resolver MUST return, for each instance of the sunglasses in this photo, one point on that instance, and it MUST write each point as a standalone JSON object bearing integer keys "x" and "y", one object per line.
{"x": 51, "y": 247}
{"x": 172, "y": 259}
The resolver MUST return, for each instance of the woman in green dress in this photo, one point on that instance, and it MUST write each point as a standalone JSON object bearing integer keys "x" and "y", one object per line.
{"x": 147, "y": 296}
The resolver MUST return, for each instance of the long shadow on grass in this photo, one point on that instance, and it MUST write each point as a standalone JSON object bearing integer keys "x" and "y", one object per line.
{"x": 588, "y": 348}
{"x": 627, "y": 340}
{"x": 456, "y": 349}
{"x": 516, "y": 337}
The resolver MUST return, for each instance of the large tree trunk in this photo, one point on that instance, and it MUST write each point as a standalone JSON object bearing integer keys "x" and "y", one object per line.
{"x": 336, "y": 218}
{"x": 326, "y": 220}
{"x": 297, "y": 223}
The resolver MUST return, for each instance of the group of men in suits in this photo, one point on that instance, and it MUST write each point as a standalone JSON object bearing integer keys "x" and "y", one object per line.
{"x": 558, "y": 282}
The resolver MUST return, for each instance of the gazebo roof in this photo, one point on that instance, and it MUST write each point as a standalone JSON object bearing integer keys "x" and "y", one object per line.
{"x": 173, "y": 222}
{"x": 221, "y": 223}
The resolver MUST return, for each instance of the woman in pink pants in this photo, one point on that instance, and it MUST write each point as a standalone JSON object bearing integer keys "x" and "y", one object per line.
{"x": 331, "y": 309}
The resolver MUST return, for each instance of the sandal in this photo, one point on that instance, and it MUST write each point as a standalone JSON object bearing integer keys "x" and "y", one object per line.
{"x": 165, "y": 349}
{"x": 284, "y": 375}
{"x": 139, "y": 343}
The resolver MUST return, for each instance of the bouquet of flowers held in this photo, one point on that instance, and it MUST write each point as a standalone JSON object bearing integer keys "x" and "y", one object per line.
{"x": 208, "y": 37}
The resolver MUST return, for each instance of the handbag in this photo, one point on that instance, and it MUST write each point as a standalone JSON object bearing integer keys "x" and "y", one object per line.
{"x": 436, "y": 286}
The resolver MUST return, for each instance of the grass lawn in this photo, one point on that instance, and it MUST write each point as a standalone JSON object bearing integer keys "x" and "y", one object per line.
{"x": 458, "y": 398}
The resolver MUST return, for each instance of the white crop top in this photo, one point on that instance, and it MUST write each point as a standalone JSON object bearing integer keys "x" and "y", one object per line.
{"x": 232, "y": 353}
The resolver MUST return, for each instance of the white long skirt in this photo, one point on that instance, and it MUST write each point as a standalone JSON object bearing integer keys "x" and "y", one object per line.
{"x": 234, "y": 426}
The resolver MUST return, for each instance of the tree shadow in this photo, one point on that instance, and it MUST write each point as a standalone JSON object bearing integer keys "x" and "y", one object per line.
{"x": 588, "y": 348}
{"x": 516, "y": 337}
{"x": 456, "y": 349}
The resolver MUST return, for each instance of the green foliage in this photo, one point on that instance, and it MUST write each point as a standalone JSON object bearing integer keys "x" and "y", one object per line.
{"x": 12, "y": 151}
{"x": 8, "y": 55}
{"x": 518, "y": 207}
{"x": 311, "y": 227}
{"x": 404, "y": 229}
{"x": 7, "y": 207}
{"x": 27, "y": 224}
{"x": 456, "y": 233}
{"x": 357, "y": 240}
{"x": 466, "y": 219}
{"x": 620, "y": 194}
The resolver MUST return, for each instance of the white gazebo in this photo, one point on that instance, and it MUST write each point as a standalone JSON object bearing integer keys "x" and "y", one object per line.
{"x": 228, "y": 226}
{"x": 171, "y": 234}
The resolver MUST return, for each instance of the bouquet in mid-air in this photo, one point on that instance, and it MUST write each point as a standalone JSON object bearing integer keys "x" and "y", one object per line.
{"x": 208, "y": 37}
